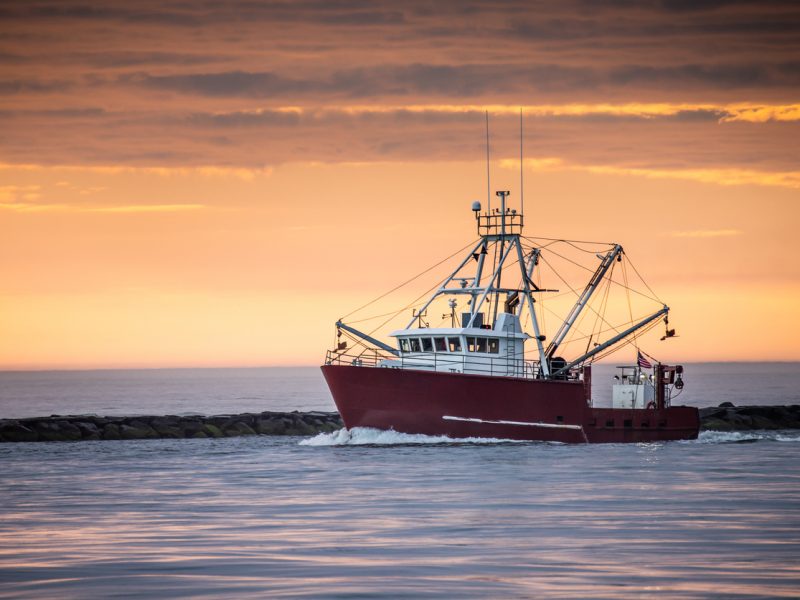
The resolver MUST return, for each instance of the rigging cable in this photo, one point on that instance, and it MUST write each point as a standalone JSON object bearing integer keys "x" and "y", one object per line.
{"x": 603, "y": 308}
{"x": 643, "y": 281}
{"x": 628, "y": 297}
{"x": 574, "y": 291}
{"x": 552, "y": 312}
{"x": 407, "y": 306}
{"x": 394, "y": 289}
{"x": 654, "y": 298}
{"x": 543, "y": 327}
{"x": 534, "y": 238}
{"x": 423, "y": 295}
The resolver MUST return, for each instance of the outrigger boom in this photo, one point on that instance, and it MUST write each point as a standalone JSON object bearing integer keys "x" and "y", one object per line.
{"x": 366, "y": 337}
{"x": 617, "y": 338}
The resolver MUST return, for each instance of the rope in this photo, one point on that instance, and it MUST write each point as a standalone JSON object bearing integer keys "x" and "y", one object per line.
{"x": 394, "y": 312}
{"x": 407, "y": 306}
{"x": 589, "y": 306}
{"x": 532, "y": 239}
{"x": 394, "y": 289}
{"x": 603, "y": 308}
{"x": 643, "y": 281}
{"x": 654, "y": 298}
{"x": 628, "y": 297}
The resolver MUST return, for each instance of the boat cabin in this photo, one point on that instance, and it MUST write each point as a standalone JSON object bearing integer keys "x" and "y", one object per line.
{"x": 633, "y": 388}
{"x": 477, "y": 350}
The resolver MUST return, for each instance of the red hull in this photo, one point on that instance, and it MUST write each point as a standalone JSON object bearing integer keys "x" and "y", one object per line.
{"x": 460, "y": 406}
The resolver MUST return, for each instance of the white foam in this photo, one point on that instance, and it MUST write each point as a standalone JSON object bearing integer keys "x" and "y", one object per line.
{"x": 363, "y": 436}
{"x": 360, "y": 436}
{"x": 722, "y": 437}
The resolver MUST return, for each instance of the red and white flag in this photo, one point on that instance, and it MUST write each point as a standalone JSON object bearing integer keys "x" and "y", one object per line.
{"x": 643, "y": 362}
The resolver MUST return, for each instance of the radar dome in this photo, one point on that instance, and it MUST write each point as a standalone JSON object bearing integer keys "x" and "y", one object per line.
{"x": 476, "y": 206}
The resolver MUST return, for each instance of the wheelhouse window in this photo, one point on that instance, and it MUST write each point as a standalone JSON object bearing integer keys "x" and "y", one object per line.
{"x": 414, "y": 343}
{"x": 403, "y": 345}
{"x": 494, "y": 346}
{"x": 455, "y": 344}
{"x": 476, "y": 344}
{"x": 440, "y": 344}
{"x": 427, "y": 346}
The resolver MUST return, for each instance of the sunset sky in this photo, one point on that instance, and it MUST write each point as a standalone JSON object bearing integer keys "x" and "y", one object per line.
{"x": 214, "y": 183}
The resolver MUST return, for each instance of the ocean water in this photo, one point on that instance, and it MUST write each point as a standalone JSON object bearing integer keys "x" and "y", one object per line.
{"x": 369, "y": 514}
{"x": 227, "y": 391}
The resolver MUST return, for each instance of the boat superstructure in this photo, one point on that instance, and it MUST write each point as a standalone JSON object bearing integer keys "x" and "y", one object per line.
{"x": 489, "y": 370}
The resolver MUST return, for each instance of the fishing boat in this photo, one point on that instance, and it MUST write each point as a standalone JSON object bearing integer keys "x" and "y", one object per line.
{"x": 492, "y": 372}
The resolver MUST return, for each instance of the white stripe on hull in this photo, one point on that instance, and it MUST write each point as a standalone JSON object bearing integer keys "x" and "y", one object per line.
{"x": 525, "y": 423}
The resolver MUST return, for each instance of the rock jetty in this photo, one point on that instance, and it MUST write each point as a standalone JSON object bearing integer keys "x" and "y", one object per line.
{"x": 56, "y": 428}
{"x": 71, "y": 428}
{"x": 727, "y": 417}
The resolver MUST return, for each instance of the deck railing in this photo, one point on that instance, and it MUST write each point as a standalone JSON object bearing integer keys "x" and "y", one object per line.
{"x": 443, "y": 363}
{"x": 494, "y": 223}
{"x": 367, "y": 358}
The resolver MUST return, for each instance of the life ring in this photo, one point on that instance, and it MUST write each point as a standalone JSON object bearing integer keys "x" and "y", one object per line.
{"x": 651, "y": 405}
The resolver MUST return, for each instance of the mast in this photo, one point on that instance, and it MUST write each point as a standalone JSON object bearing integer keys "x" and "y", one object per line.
{"x": 529, "y": 301}
{"x": 490, "y": 286}
{"x": 478, "y": 274}
{"x": 502, "y": 194}
{"x": 488, "y": 180}
{"x": 521, "y": 167}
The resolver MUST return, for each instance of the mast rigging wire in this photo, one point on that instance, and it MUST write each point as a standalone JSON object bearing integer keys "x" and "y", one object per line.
{"x": 643, "y": 281}
{"x": 394, "y": 289}
{"x": 574, "y": 291}
{"x": 628, "y": 297}
{"x": 654, "y": 298}
{"x": 534, "y": 238}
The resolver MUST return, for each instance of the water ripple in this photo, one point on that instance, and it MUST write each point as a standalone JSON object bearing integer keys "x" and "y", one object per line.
{"x": 260, "y": 516}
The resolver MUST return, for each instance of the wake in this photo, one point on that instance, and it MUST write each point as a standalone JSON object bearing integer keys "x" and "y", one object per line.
{"x": 367, "y": 436}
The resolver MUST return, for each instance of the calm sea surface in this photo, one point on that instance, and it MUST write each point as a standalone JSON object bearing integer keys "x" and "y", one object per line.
{"x": 370, "y": 514}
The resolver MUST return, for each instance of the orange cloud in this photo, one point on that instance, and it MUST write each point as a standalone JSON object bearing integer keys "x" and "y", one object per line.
{"x": 753, "y": 113}
{"x": 788, "y": 179}
{"x": 135, "y": 208}
{"x": 205, "y": 171}
{"x": 9, "y": 193}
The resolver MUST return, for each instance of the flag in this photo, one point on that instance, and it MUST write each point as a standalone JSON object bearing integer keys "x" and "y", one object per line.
{"x": 643, "y": 362}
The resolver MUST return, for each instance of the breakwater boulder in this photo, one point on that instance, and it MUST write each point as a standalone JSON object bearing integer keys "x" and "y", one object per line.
{"x": 58, "y": 428}
{"x": 727, "y": 417}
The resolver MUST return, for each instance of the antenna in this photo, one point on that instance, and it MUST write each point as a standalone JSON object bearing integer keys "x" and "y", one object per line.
{"x": 488, "y": 183}
{"x": 521, "y": 167}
